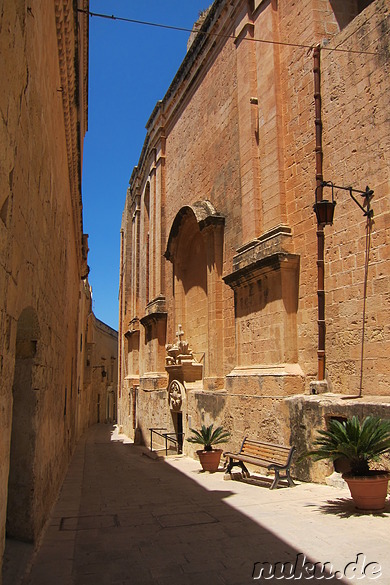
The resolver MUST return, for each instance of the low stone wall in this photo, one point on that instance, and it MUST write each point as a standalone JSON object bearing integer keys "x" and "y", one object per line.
{"x": 308, "y": 414}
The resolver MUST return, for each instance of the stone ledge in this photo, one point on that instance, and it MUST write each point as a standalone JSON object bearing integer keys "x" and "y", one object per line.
{"x": 276, "y": 381}
{"x": 133, "y": 327}
{"x": 156, "y": 306}
{"x": 155, "y": 311}
{"x": 271, "y": 251}
{"x": 153, "y": 381}
{"x": 260, "y": 267}
{"x": 275, "y": 241}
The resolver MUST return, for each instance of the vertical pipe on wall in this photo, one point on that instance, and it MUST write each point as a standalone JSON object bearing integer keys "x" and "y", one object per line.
{"x": 320, "y": 228}
{"x": 120, "y": 325}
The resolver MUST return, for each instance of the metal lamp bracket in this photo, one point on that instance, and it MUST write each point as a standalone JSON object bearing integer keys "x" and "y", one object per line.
{"x": 367, "y": 194}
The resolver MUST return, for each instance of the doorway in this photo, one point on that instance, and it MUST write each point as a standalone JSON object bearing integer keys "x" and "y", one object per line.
{"x": 177, "y": 418}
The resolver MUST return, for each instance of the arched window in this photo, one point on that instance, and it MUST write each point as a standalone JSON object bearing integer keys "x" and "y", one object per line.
{"x": 146, "y": 241}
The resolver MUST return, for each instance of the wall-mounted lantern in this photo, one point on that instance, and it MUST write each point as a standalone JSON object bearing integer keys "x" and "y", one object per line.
{"x": 104, "y": 373}
{"x": 324, "y": 209}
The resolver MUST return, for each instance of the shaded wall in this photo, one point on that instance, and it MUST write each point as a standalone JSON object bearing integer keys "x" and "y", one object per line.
{"x": 42, "y": 254}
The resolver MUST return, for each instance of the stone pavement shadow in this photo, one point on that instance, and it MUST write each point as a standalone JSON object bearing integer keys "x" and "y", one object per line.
{"x": 17, "y": 555}
{"x": 125, "y": 519}
{"x": 345, "y": 508}
{"x": 262, "y": 481}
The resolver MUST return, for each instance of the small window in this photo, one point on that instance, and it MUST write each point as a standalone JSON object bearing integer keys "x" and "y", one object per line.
{"x": 340, "y": 418}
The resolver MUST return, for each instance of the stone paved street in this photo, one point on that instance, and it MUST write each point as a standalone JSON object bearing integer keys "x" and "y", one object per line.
{"x": 123, "y": 518}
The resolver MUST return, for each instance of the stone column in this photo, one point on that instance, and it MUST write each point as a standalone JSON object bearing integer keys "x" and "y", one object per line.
{"x": 135, "y": 235}
{"x": 214, "y": 378}
{"x": 159, "y": 231}
{"x": 271, "y": 131}
{"x": 248, "y": 130}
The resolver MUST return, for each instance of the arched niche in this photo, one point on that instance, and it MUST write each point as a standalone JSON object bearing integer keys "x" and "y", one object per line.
{"x": 194, "y": 247}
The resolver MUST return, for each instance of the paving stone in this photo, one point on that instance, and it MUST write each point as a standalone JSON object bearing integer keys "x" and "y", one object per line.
{"x": 195, "y": 532}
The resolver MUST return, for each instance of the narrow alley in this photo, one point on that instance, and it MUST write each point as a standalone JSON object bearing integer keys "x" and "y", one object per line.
{"x": 123, "y": 518}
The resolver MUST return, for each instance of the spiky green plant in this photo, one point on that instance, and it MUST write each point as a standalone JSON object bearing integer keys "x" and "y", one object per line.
{"x": 359, "y": 443}
{"x": 208, "y": 437}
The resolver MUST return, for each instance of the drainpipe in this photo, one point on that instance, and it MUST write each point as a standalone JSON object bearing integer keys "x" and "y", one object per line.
{"x": 320, "y": 228}
{"x": 120, "y": 331}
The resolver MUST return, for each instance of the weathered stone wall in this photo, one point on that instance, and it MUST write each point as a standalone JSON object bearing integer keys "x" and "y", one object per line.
{"x": 310, "y": 413}
{"x": 41, "y": 257}
{"x": 101, "y": 372}
{"x": 356, "y": 152}
{"x": 355, "y": 143}
{"x": 228, "y": 172}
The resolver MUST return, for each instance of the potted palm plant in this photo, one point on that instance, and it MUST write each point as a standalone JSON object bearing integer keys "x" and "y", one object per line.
{"x": 208, "y": 436}
{"x": 359, "y": 444}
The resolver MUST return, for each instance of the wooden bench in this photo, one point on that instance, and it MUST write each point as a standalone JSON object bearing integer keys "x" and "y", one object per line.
{"x": 273, "y": 457}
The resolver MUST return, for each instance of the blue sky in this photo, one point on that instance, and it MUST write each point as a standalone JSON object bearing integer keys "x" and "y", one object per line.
{"x": 130, "y": 68}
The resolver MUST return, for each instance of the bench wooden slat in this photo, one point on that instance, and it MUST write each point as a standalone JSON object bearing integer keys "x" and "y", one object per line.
{"x": 269, "y": 455}
{"x": 258, "y": 449}
{"x": 257, "y": 442}
{"x": 254, "y": 460}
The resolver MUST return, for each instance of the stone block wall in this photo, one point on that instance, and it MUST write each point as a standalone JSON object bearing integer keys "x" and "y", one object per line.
{"x": 100, "y": 388}
{"x": 356, "y": 148}
{"x": 308, "y": 414}
{"x": 42, "y": 256}
{"x": 229, "y": 170}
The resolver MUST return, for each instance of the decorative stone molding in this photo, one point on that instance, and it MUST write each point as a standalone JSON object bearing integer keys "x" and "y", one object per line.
{"x": 133, "y": 327}
{"x": 176, "y": 394}
{"x": 152, "y": 319}
{"x": 265, "y": 281}
{"x": 180, "y": 362}
{"x": 180, "y": 351}
{"x": 276, "y": 241}
{"x": 69, "y": 65}
{"x": 155, "y": 312}
{"x": 156, "y": 306}
{"x": 255, "y": 270}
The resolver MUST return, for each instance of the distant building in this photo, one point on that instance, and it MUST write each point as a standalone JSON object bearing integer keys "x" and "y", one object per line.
{"x": 221, "y": 306}
{"x": 101, "y": 371}
{"x": 43, "y": 254}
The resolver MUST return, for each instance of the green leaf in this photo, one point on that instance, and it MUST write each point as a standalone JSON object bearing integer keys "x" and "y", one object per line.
{"x": 360, "y": 443}
{"x": 208, "y": 437}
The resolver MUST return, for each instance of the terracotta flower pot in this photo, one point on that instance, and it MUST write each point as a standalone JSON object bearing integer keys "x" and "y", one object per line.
{"x": 368, "y": 492}
{"x": 209, "y": 460}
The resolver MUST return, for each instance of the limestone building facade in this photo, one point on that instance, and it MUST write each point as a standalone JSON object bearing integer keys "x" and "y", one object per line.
{"x": 219, "y": 289}
{"x": 44, "y": 294}
{"x": 100, "y": 372}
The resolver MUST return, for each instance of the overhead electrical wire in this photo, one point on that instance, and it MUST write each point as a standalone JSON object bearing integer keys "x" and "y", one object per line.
{"x": 219, "y": 35}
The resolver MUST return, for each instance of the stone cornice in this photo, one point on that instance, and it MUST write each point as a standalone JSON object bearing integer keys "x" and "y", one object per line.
{"x": 69, "y": 59}
{"x": 84, "y": 56}
{"x": 206, "y": 43}
{"x": 254, "y": 271}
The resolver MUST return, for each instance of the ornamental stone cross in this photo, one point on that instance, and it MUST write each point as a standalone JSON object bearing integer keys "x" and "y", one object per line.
{"x": 179, "y": 333}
